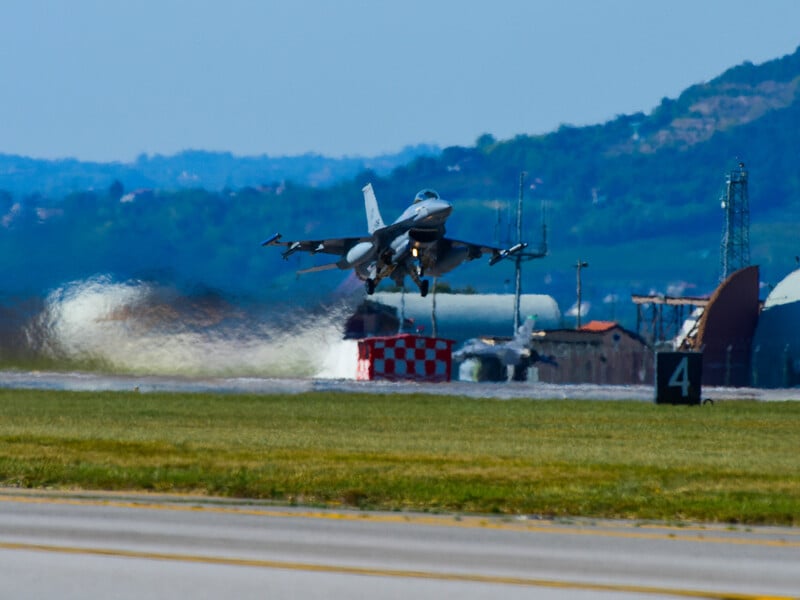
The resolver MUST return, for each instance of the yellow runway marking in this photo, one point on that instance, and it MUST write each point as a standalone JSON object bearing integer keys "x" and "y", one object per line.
{"x": 378, "y": 572}
{"x": 684, "y": 534}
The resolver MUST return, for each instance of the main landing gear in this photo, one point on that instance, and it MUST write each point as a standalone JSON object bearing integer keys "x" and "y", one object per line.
{"x": 423, "y": 287}
{"x": 422, "y": 284}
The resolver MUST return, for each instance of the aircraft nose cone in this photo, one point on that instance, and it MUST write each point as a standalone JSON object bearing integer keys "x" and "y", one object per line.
{"x": 439, "y": 208}
{"x": 431, "y": 213}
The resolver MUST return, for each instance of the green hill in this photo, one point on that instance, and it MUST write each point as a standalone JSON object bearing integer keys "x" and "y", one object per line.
{"x": 637, "y": 197}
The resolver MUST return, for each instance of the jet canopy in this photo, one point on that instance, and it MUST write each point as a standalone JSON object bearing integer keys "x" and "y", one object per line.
{"x": 426, "y": 194}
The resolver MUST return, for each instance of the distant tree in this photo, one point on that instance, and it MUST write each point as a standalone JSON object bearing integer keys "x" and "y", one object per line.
{"x": 484, "y": 141}
{"x": 6, "y": 199}
{"x": 442, "y": 287}
{"x": 116, "y": 190}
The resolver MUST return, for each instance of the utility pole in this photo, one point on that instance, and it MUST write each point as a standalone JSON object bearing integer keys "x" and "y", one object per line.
{"x": 578, "y": 266}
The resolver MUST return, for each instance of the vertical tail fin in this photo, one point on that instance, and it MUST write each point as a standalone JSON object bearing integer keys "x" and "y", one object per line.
{"x": 374, "y": 220}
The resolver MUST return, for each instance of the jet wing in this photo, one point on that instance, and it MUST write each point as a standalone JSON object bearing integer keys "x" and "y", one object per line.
{"x": 335, "y": 246}
{"x": 478, "y": 250}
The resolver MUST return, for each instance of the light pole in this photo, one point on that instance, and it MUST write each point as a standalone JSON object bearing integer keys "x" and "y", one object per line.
{"x": 578, "y": 266}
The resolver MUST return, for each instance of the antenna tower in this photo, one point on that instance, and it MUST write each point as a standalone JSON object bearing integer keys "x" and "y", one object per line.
{"x": 525, "y": 256}
{"x": 735, "y": 248}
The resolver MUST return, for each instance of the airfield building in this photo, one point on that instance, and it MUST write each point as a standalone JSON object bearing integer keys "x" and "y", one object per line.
{"x": 724, "y": 332}
{"x": 600, "y": 352}
{"x": 776, "y": 344}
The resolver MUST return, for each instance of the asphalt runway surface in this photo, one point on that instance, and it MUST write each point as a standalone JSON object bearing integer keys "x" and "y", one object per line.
{"x": 85, "y": 546}
{"x": 83, "y": 381}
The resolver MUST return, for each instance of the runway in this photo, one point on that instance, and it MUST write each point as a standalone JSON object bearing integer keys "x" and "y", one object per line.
{"x": 86, "y": 381}
{"x": 72, "y": 546}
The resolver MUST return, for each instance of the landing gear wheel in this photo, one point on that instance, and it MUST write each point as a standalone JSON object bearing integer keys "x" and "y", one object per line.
{"x": 370, "y": 287}
{"x": 423, "y": 287}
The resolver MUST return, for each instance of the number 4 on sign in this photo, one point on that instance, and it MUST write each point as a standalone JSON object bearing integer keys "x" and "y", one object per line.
{"x": 680, "y": 377}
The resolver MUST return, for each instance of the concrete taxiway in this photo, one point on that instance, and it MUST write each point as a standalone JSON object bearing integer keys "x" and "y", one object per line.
{"x": 83, "y": 381}
{"x": 68, "y": 546}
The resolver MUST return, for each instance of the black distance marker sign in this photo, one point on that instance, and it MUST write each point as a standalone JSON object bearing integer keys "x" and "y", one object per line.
{"x": 678, "y": 376}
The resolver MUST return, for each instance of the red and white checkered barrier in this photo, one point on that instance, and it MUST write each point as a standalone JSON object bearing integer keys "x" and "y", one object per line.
{"x": 405, "y": 357}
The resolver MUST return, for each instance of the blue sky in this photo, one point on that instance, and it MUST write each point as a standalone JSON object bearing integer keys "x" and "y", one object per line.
{"x": 107, "y": 80}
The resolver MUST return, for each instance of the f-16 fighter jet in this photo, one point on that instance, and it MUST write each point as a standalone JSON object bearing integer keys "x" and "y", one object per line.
{"x": 413, "y": 245}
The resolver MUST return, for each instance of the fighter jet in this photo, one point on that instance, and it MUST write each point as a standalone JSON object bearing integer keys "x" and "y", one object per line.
{"x": 414, "y": 245}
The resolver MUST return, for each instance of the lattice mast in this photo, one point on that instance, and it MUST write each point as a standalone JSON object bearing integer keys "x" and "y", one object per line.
{"x": 525, "y": 255}
{"x": 735, "y": 248}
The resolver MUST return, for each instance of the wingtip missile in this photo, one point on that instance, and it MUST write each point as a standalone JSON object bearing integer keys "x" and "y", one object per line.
{"x": 272, "y": 240}
{"x": 515, "y": 249}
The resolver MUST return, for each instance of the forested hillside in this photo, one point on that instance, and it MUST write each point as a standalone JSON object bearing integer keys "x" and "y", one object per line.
{"x": 190, "y": 169}
{"x": 636, "y": 197}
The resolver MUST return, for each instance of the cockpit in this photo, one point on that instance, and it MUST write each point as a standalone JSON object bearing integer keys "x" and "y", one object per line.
{"x": 426, "y": 194}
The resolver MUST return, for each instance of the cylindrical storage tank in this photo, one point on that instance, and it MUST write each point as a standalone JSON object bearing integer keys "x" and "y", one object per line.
{"x": 460, "y": 317}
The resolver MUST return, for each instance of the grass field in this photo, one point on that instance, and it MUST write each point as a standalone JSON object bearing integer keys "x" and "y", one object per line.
{"x": 736, "y": 462}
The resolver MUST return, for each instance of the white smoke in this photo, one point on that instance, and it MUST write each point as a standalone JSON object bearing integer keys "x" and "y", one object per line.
{"x": 141, "y": 328}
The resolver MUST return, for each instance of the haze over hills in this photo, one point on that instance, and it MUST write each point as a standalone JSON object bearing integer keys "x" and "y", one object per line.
{"x": 637, "y": 197}
{"x": 22, "y": 175}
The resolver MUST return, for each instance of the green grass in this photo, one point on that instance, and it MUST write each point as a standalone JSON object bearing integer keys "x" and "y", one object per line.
{"x": 735, "y": 462}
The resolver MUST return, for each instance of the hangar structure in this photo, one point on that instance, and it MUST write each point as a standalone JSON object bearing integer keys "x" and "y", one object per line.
{"x": 721, "y": 326}
{"x": 724, "y": 332}
{"x": 776, "y": 344}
